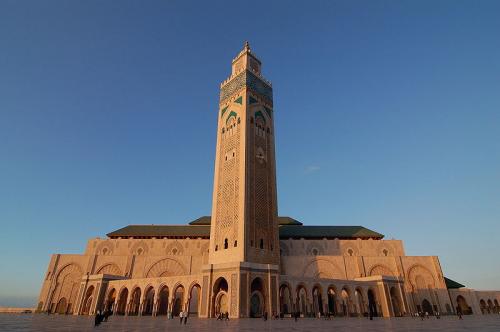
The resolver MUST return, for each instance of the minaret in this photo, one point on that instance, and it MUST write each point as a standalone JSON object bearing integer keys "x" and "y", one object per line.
{"x": 243, "y": 272}
{"x": 244, "y": 210}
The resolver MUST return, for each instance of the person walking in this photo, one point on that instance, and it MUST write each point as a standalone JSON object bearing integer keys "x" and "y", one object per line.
{"x": 98, "y": 318}
{"x": 181, "y": 316}
{"x": 459, "y": 312}
{"x": 185, "y": 317}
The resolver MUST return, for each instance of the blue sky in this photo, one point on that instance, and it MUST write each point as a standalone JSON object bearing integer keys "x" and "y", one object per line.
{"x": 387, "y": 116}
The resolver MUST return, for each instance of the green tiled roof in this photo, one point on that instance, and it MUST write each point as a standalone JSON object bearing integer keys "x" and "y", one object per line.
{"x": 148, "y": 231}
{"x": 205, "y": 220}
{"x": 452, "y": 284}
{"x": 319, "y": 232}
{"x": 289, "y": 228}
{"x": 288, "y": 221}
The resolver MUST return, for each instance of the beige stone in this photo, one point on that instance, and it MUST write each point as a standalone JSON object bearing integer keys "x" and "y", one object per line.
{"x": 244, "y": 266}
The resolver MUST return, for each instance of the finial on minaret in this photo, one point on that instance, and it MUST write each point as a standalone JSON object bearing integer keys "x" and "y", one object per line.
{"x": 246, "y": 59}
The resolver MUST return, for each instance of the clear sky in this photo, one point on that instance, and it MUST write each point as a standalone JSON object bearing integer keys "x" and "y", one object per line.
{"x": 387, "y": 116}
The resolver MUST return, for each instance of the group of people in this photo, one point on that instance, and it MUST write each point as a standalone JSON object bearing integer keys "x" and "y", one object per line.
{"x": 183, "y": 316}
{"x": 425, "y": 314}
{"x": 223, "y": 316}
{"x": 101, "y": 317}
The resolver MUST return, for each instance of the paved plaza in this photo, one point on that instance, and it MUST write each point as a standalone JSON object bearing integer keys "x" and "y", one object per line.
{"x": 28, "y": 322}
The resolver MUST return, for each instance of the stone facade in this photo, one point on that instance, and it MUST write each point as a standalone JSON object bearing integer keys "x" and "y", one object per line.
{"x": 246, "y": 260}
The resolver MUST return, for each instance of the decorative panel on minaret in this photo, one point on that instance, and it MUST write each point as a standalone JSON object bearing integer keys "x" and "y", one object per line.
{"x": 244, "y": 209}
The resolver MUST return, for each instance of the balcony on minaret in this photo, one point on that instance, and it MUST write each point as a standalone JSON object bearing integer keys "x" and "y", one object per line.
{"x": 246, "y": 60}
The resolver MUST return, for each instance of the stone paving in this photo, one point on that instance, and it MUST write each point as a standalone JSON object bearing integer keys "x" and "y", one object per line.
{"x": 29, "y": 322}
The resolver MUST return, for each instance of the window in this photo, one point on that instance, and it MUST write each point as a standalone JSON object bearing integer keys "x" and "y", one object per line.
{"x": 235, "y": 243}
{"x": 315, "y": 252}
{"x": 261, "y": 243}
{"x": 385, "y": 252}
{"x": 216, "y": 247}
{"x": 350, "y": 252}
{"x": 225, "y": 244}
{"x": 251, "y": 243}
{"x": 174, "y": 251}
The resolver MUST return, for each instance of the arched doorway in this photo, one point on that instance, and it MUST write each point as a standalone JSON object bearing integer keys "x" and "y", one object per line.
{"x": 135, "y": 302}
{"x": 149, "y": 297}
{"x": 491, "y": 307}
{"x": 122, "y": 302}
{"x": 163, "y": 301}
{"x": 110, "y": 301}
{"x": 346, "y": 301}
{"x": 463, "y": 306}
{"x": 317, "y": 301}
{"x": 67, "y": 286}
{"x": 62, "y": 306}
{"x": 427, "y": 307}
{"x": 285, "y": 299}
{"x": 372, "y": 303}
{"x": 332, "y": 301}
{"x": 178, "y": 300}
{"x": 482, "y": 304}
{"x": 301, "y": 300}
{"x": 360, "y": 301}
{"x": 194, "y": 300}
{"x": 257, "y": 303}
{"x": 87, "y": 302}
{"x": 220, "y": 301}
{"x": 397, "y": 307}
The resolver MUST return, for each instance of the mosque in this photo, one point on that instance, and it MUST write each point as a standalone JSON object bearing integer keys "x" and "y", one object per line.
{"x": 244, "y": 259}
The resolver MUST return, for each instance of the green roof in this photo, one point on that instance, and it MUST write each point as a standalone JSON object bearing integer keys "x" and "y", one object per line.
{"x": 452, "y": 284}
{"x": 289, "y": 228}
{"x": 148, "y": 231}
{"x": 288, "y": 221}
{"x": 205, "y": 220}
{"x": 319, "y": 232}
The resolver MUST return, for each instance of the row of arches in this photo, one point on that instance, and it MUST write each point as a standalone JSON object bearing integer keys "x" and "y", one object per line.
{"x": 149, "y": 301}
{"x": 343, "y": 301}
{"x": 220, "y": 300}
{"x": 489, "y": 306}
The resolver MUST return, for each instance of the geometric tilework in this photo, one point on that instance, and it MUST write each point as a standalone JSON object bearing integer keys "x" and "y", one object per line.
{"x": 223, "y": 111}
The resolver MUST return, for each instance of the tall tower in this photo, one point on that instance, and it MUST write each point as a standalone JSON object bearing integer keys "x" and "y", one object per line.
{"x": 244, "y": 209}
{"x": 244, "y": 226}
